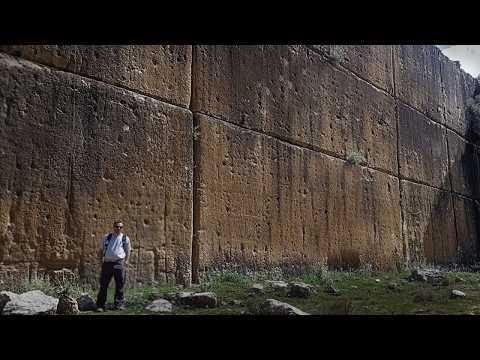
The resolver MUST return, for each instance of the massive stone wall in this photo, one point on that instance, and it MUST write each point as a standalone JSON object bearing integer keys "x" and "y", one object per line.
{"x": 235, "y": 157}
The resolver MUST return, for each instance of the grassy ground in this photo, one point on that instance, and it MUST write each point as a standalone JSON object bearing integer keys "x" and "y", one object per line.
{"x": 359, "y": 293}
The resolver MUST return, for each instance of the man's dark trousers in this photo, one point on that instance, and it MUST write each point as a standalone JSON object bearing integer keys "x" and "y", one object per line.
{"x": 109, "y": 269}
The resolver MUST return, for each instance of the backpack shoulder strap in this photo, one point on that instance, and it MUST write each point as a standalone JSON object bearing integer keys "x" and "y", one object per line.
{"x": 124, "y": 240}
{"x": 107, "y": 241}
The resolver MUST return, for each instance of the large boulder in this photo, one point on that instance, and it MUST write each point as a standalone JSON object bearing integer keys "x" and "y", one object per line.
{"x": 86, "y": 303}
{"x": 300, "y": 289}
{"x": 160, "y": 305}
{"x": 5, "y": 297}
{"x": 275, "y": 307}
{"x": 67, "y": 305}
{"x": 31, "y": 303}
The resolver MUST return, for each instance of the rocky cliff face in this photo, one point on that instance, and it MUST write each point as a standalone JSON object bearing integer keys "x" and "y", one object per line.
{"x": 235, "y": 157}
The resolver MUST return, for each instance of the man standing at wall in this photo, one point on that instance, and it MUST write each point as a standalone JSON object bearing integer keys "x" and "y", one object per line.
{"x": 114, "y": 253}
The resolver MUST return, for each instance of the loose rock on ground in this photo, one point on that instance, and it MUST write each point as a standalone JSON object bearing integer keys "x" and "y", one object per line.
{"x": 31, "y": 303}
{"x": 160, "y": 305}
{"x": 86, "y": 303}
{"x": 275, "y": 307}
{"x": 299, "y": 289}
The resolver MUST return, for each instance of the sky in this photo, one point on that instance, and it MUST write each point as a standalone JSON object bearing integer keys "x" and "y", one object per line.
{"x": 468, "y": 55}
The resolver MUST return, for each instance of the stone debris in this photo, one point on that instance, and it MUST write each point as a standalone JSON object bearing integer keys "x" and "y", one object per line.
{"x": 393, "y": 286}
{"x": 280, "y": 287}
{"x": 160, "y": 305}
{"x": 457, "y": 294}
{"x": 377, "y": 280}
{"x": 67, "y": 305}
{"x": 86, "y": 303}
{"x": 235, "y": 302}
{"x": 31, "y": 303}
{"x": 5, "y": 297}
{"x": 257, "y": 289}
{"x": 275, "y": 307}
{"x": 300, "y": 289}
{"x": 434, "y": 277}
{"x": 205, "y": 299}
{"x": 332, "y": 290}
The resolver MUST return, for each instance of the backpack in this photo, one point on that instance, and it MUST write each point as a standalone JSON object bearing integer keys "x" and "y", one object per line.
{"x": 107, "y": 242}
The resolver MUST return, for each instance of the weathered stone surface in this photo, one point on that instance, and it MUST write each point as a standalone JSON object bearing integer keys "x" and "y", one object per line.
{"x": 434, "y": 277}
{"x": 257, "y": 289}
{"x": 162, "y": 71}
{"x": 67, "y": 305}
{"x": 62, "y": 276}
{"x": 279, "y": 287}
{"x": 204, "y": 299}
{"x": 428, "y": 224}
{"x": 299, "y": 289}
{"x": 86, "y": 303}
{"x": 31, "y": 303}
{"x": 458, "y": 87}
{"x": 5, "y": 297}
{"x": 293, "y": 93}
{"x": 275, "y": 307}
{"x": 457, "y": 294}
{"x": 418, "y": 78}
{"x": 464, "y": 166}
{"x": 467, "y": 220}
{"x": 422, "y": 149}
{"x": 266, "y": 203}
{"x": 371, "y": 62}
{"x": 76, "y": 155}
{"x": 160, "y": 305}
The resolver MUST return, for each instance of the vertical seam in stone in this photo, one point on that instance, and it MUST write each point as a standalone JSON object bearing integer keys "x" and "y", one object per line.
{"x": 405, "y": 247}
{"x": 449, "y": 163}
{"x": 195, "y": 250}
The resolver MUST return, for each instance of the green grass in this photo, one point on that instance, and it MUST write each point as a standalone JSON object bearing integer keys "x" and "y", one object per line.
{"x": 359, "y": 294}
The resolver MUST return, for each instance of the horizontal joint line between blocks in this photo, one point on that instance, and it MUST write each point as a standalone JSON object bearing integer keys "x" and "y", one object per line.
{"x": 296, "y": 144}
{"x": 91, "y": 78}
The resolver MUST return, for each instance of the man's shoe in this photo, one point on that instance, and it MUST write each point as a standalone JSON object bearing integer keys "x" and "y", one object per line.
{"x": 119, "y": 307}
{"x": 99, "y": 309}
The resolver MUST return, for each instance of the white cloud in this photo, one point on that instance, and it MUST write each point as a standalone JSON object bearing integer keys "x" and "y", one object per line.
{"x": 467, "y": 55}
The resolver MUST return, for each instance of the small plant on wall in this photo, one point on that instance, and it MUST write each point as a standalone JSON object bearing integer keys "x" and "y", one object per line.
{"x": 356, "y": 158}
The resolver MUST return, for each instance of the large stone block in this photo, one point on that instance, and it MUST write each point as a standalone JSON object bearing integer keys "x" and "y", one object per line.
{"x": 293, "y": 93}
{"x": 371, "y": 62}
{"x": 161, "y": 71}
{"x": 458, "y": 87}
{"x": 418, "y": 79}
{"x": 423, "y": 149}
{"x": 428, "y": 224}
{"x": 261, "y": 202}
{"x": 464, "y": 166}
{"x": 467, "y": 219}
{"x": 77, "y": 154}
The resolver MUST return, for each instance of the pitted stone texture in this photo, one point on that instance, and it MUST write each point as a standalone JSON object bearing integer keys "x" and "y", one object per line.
{"x": 423, "y": 149}
{"x": 418, "y": 78}
{"x": 428, "y": 224}
{"x": 162, "y": 71}
{"x": 458, "y": 87}
{"x": 467, "y": 220}
{"x": 76, "y": 155}
{"x": 293, "y": 93}
{"x": 464, "y": 166}
{"x": 267, "y": 203}
{"x": 31, "y": 303}
{"x": 371, "y": 62}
